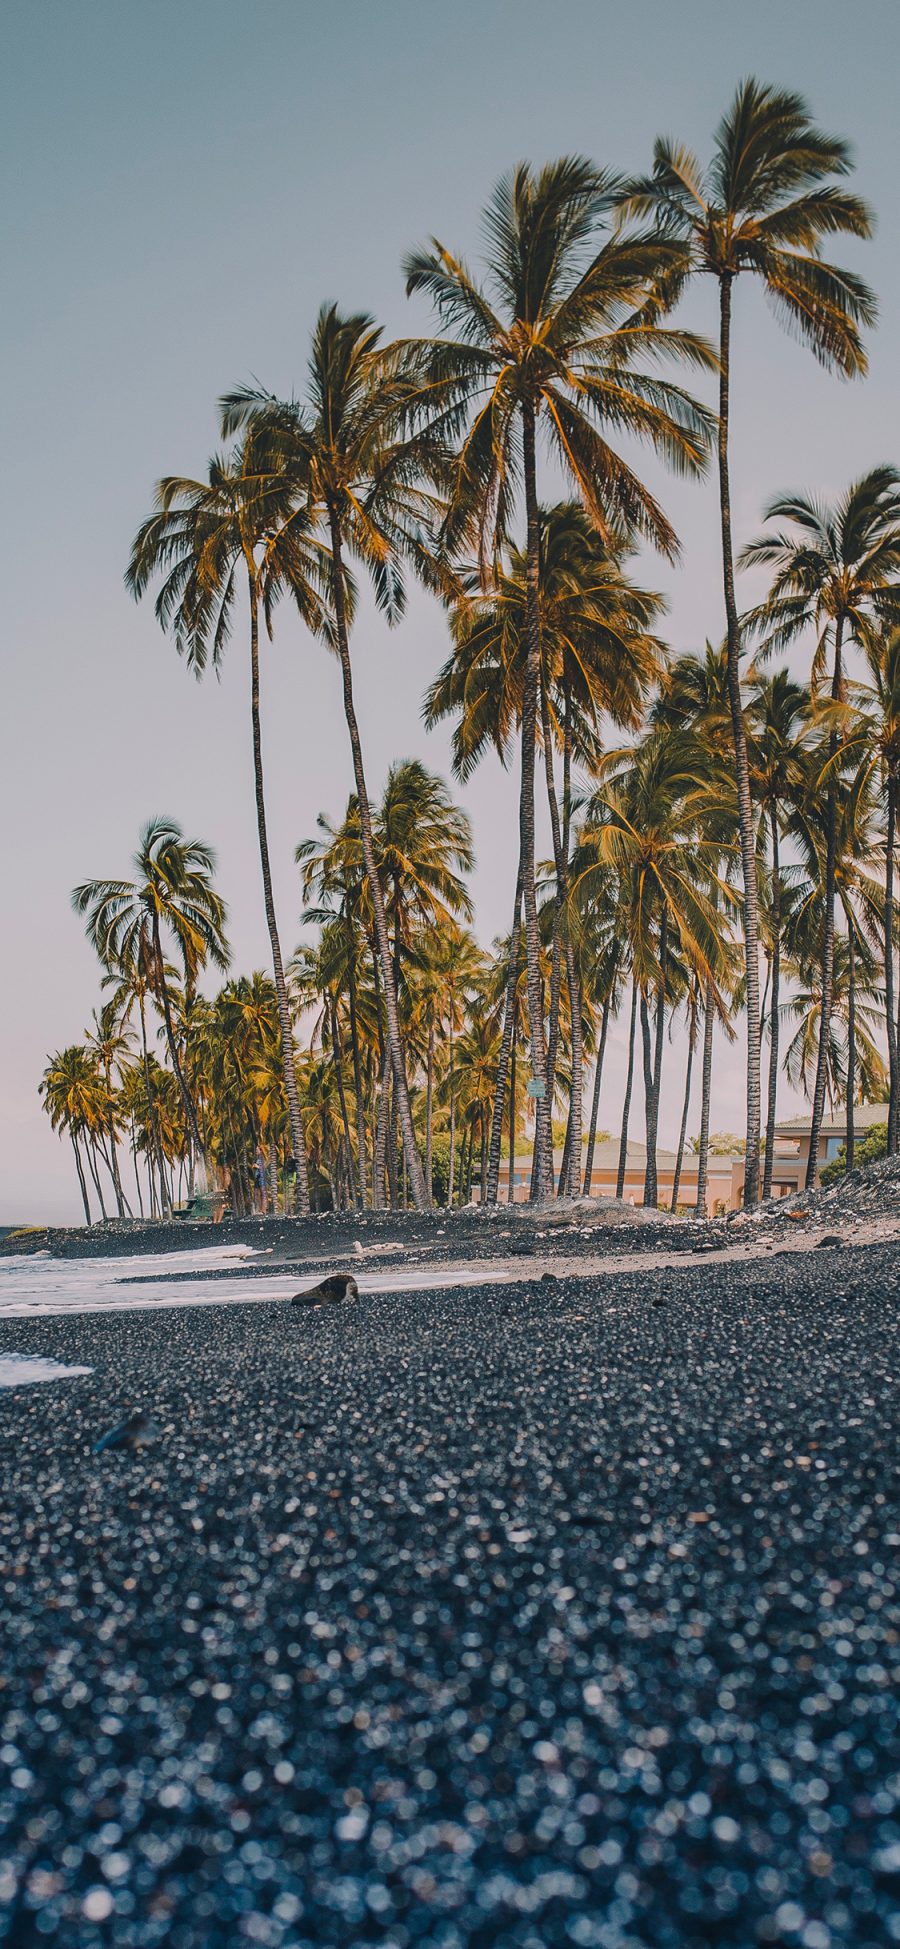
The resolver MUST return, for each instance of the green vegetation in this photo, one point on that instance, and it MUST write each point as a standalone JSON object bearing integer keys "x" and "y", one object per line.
{"x": 711, "y": 817}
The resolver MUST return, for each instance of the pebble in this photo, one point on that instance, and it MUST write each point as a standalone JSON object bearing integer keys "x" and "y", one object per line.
{"x": 462, "y": 1619}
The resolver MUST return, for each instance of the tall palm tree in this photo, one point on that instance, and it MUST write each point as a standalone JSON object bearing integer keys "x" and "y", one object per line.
{"x": 173, "y": 894}
{"x": 761, "y": 208}
{"x": 877, "y": 742}
{"x": 76, "y": 1100}
{"x": 356, "y": 480}
{"x": 598, "y": 660}
{"x": 836, "y": 572}
{"x": 643, "y": 816}
{"x": 110, "y": 1041}
{"x": 779, "y": 732}
{"x": 551, "y": 342}
{"x": 205, "y": 537}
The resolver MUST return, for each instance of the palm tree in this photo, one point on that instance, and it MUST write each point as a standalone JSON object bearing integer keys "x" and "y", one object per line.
{"x": 204, "y": 536}
{"x": 355, "y": 477}
{"x": 643, "y": 818}
{"x": 598, "y": 659}
{"x": 761, "y": 209}
{"x": 174, "y": 892}
{"x": 110, "y": 1042}
{"x": 779, "y": 732}
{"x": 76, "y": 1100}
{"x": 877, "y": 742}
{"x": 550, "y": 342}
{"x": 836, "y": 572}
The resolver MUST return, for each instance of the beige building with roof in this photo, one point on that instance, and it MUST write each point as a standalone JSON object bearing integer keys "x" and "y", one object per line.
{"x": 725, "y": 1175}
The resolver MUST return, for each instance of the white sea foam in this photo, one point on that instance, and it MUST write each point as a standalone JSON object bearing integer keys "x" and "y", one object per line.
{"x": 20, "y": 1369}
{"x": 32, "y": 1284}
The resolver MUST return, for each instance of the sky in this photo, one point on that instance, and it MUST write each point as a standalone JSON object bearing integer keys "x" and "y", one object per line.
{"x": 185, "y": 185}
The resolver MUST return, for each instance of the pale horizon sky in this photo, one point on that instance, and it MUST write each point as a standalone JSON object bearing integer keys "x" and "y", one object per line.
{"x": 185, "y": 186}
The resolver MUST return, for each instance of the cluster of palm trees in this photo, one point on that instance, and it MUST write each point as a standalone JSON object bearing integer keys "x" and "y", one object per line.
{"x": 707, "y": 817}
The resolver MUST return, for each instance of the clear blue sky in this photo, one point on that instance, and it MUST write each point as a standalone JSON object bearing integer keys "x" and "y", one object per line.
{"x": 185, "y": 183}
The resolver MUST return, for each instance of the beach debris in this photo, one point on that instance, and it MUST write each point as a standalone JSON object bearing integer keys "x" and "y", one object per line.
{"x": 137, "y": 1432}
{"x": 330, "y": 1291}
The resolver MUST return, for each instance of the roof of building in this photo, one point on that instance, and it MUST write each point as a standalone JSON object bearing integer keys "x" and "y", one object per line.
{"x": 864, "y": 1116}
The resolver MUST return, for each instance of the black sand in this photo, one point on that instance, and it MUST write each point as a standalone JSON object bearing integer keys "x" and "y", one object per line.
{"x": 525, "y": 1615}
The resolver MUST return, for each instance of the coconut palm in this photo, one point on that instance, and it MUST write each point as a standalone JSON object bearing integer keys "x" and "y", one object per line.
{"x": 356, "y": 480}
{"x": 598, "y": 660}
{"x": 551, "y": 342}
{"x": 762, "y": 208}
{"x": 205, "y": 539}
{"x": 110, "y": 1041}
{"x": 836, "y": 573}
{"x": 779, "y": 733}
{"x": 643, "y": 819}
{"x": 76, "y": 1100}
{"x": 876, "y": 745}
{"x": 172, "y": 895}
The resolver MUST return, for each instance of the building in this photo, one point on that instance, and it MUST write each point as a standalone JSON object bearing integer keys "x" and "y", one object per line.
{"x": 791, "y": 1154}
{"x": 725, "y": 1175}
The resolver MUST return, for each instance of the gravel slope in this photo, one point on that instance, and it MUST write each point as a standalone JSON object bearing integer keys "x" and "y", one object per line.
{"x": 524, "y": 1615}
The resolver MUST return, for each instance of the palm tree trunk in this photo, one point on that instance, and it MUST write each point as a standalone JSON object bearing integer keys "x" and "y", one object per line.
{"x": 92, "y": 1167}
{"x": 357, "y": 1071}
{"x": 562, "y": 946}
{"x": 703, "y": 1151}
{"x": 650, "y": 1133}
{"x": 484, "y": 1150}
{"x": 429, "y": 1108}
{"x": 395, "y": 1046}
{"x": 163, "y": 993}
{"x": 511, "y": 1185}
{"x": 685, "y": 1109}
{"x": 509, "y": 1001}
{"x": 595, "y": 1099}
{"x": 894, "y": 1093}
{"x": 741, "y": 761}
{"x": 338, "y": 1056}
{"x": 151, "y": 1105}
{"x": 626, "y": 1106}
{"x": 851, "y": 1043}
{"x": 827, "y": 993}
{"x": 381, "y": 1132}
{"x": 298, "y": 1140}
{"x": 543, "y": 1106}
{"x": 83, "y": 1187}
{"x": 775, "y": 1017}
{"x": 452, "y": 1166}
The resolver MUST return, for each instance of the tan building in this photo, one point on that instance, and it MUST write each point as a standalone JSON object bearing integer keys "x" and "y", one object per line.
{"x": 725, "y": 1175}
{"x": 791, "y": 1153}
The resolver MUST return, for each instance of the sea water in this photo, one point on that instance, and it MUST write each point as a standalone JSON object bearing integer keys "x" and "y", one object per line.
{"x": 34, "y": 1284}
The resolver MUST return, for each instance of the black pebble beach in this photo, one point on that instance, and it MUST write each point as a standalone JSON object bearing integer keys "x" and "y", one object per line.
{"x": 516, "y": 1615}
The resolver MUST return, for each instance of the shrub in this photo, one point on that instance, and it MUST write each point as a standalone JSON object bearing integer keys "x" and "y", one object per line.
{"x": 867, "y": 1151}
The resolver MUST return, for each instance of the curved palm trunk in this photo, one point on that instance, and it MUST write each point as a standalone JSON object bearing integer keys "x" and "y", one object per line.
{"x": 775, "y": 1028}
{"x": 381, "y": 1136}
{"x": 395, "y": 1046}
{"x": 653, "y": 1071}
{"x": 894, "y": 1104}
{"x": 543, "y": 1153}
{"x": 82, "y": 1186}
{"x": 509, "y": 999}
{"x": 626, "y": 1106}
{"x": 741, "y": 761}
{"x": 595, "y": 1099}
{"x": 709, "y": 1024}
{"x": 650, "y": 1191}
{"x": 827, "y": 994}
{"x": 685, "y": 1109}
{"x": 298, "y": 1141}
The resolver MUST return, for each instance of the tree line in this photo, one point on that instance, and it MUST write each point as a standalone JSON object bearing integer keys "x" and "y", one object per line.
{"x": 711, "y": 816}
